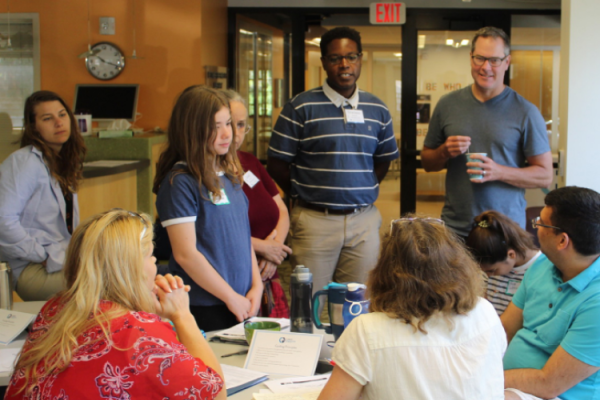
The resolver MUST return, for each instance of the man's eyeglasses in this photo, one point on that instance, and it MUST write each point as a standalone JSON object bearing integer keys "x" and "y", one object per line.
{"x": 408, "y": 220}
{"x": 494, "y": 61}
{"x": 335, "y": 60}
{"x": 242, "y": 127}
{"x": 537, "y": 222}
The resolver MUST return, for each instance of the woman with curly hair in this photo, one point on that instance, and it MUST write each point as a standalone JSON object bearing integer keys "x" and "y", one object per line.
{"x": 38, "y": 196}
{"x": 429, "y": 335}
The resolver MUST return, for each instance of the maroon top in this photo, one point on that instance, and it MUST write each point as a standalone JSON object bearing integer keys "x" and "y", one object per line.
{"x": 263, "y": 211}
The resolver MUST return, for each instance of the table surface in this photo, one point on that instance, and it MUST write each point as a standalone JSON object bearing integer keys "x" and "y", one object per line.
{"x": 220, "y": 349}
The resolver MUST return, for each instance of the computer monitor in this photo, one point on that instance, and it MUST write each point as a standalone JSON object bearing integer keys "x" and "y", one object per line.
{"x": 107, "y": 102}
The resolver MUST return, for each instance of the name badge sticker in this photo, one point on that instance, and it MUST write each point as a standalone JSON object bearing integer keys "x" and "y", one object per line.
{"x": 221, "y": 201}
{"x": 512, "y": 287}
{"x": 250, "y": 179}
{"x": 354, "y": 116}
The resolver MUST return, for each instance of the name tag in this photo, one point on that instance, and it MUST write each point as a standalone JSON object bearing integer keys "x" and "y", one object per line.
{"x": 250, "y": 179}
{"x": 354, "y": 116}
{"x": 512, "y": 287}
{"x": 221, "y": 201}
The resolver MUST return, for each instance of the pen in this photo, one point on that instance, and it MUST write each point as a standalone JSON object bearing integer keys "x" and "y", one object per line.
{"x": 306, "y": 381}
{"x": 238, "y": 353}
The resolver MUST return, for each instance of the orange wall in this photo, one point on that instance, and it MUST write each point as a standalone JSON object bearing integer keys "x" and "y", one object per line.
{"x": 177, "y": 38}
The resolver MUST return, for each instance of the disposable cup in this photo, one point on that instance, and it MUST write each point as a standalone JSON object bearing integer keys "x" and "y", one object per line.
{"x": 469, "y": 159}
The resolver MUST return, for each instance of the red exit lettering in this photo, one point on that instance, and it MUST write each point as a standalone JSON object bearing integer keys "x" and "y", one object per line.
{"x": 388, "y": 12}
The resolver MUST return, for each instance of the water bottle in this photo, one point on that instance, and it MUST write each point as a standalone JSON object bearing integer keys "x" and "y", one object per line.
{"x": 6, "y": 299}
{"x": 301, "y": 290}
{"x": 355, "y": 303}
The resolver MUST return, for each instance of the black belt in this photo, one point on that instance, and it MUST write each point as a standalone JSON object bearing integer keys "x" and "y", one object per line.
{"x": 325, "y": 210}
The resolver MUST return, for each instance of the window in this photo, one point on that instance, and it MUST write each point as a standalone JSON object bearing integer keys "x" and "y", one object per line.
{"x": 19, "y": 62}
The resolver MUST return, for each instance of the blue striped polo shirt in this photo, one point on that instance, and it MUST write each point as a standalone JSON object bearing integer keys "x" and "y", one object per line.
{"x": 332, "y": 160}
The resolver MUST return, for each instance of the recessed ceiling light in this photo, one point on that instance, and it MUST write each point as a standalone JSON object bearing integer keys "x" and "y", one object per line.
{"x": 449, "y": 42}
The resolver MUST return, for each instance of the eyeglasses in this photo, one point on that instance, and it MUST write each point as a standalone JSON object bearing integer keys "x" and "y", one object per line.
{"x": 134, "y": 214}
{"x": 408, "y": 220}
{"x": 494, "y": 61}
{"x": 242, "y": 127}
{"x": 335, "y": 60}
{"x": 536, "y": 222}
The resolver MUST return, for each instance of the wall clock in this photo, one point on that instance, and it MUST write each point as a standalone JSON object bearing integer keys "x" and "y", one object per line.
{"x": 107, "y": 62}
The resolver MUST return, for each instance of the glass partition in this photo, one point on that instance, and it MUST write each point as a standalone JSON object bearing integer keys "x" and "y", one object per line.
{"x": 19, "y": 62}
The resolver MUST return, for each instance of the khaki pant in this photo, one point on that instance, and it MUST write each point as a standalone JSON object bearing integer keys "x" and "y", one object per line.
{"x": 343, "y": 248}
{"x": 36, "y": 284}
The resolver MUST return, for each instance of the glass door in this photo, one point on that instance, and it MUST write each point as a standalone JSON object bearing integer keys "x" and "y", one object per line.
{"x": 259, "y": 70}
{"x": 442, "y": 66}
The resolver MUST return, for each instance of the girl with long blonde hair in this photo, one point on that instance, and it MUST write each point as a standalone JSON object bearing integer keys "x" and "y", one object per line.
{"x": 101, "y": 336}
{"x": 201, "y": 204}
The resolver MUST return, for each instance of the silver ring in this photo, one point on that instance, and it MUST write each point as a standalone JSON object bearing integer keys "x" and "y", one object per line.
{"x": 483, "y": 172}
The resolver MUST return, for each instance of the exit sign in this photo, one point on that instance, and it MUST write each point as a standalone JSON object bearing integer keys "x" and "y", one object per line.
{"x": 387, "y": 13}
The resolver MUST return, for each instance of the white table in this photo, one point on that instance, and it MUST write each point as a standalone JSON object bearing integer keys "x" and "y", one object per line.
{"x": 33, "y": 307}
{"x": 238, "y": 361}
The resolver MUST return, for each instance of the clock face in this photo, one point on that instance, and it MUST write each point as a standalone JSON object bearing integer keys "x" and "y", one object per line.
{"x": 107, "y": 63}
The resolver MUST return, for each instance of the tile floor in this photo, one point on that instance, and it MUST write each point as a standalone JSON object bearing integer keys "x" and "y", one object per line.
{"x": 388, "y": 204}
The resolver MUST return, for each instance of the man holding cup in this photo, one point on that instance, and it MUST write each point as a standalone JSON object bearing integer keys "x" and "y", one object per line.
{"x": 504, "y": 134}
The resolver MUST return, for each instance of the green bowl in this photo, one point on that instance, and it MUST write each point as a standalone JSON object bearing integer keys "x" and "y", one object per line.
{"x": 251, "y": 326}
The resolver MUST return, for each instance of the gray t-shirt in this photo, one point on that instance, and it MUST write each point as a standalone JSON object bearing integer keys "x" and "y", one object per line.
{"x": 509, "y": 129}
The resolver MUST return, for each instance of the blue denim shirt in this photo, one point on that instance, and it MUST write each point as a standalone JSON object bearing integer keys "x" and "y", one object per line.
{"x": 32, "y": 213}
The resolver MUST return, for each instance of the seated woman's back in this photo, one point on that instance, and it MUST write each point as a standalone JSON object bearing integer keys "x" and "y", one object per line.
{"x": 456, "y": 359}
{"x": 429, "y": 335}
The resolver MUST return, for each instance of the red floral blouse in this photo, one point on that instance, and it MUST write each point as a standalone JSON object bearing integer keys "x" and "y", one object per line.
{"x": 144, "y": 361}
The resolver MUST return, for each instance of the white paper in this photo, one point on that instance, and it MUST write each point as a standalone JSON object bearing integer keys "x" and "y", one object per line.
{"x": 250, "y": 179}
{"x": 287, "y": 396}
{"x": 108, "y": 163}
{"x": 354, "y": 116}
{"x": 298, "y": 384}
{"x": 12, "y": 323}
{"x": 236, "y": 376}
{"x": 237, "y": 332}
{"x": 7, "y": 359}
{"x": 284, "y": 353}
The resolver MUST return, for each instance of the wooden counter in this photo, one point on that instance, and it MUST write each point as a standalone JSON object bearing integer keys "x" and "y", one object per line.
{"x": 147, "y": 147}
{"x": 104, "y": 188}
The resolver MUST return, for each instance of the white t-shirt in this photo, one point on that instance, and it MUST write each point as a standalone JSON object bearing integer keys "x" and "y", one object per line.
{"x": 459, "y": 358}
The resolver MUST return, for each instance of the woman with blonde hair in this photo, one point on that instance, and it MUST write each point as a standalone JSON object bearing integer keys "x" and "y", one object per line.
{"x": 101, "y": 337}
{"x": 38, "y": 196}
{"x": 429, "y": 335}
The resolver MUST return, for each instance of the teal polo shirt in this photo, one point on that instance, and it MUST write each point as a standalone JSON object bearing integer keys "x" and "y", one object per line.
{"x": 558, "y": 313}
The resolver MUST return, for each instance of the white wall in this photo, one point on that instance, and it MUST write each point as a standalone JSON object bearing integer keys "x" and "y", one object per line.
{"x": 440, "y": 70}
{"x": 579, "y": 126}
